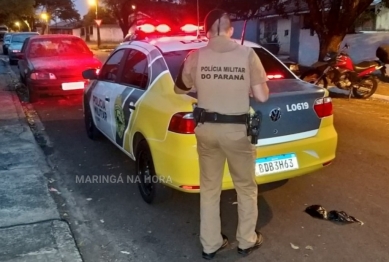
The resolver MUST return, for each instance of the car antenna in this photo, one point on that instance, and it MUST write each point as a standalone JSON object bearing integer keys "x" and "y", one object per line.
{"x": 243, "y": 32}
{"x": 198, "y": 20}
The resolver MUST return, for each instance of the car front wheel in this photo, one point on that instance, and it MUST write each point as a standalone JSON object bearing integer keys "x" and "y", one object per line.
{"x": 91, "y": 129}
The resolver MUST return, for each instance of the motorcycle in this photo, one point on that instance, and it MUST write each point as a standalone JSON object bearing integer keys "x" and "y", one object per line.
{"x": 339, "y": 69}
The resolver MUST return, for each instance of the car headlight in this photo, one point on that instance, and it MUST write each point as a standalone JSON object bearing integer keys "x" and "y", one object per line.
{"x": 15, "y": 51}
{"x": 42, "y": 76}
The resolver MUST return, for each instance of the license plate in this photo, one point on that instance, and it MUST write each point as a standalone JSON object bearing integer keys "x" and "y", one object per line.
{"x": 73, "y": 86}
{"x": 276, "y": 164}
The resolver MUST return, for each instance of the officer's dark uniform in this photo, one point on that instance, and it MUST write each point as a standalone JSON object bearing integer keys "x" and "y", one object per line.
{"x": 222, "y": 74}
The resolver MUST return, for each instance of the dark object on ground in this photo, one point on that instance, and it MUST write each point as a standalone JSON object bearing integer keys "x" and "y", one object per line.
{"x": 341, "y": 216}
{"x": 382, "y": 53}
{"x": 318, "y": 211}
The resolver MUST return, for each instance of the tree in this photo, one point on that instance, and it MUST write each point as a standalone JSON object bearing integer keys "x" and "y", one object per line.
{"x": 16, "y": 10}
{"x": 330, "y": 19}
{"x": 103, "y": 14}
{"x": 58, "y": 9}
{"x": 123, "y": 9}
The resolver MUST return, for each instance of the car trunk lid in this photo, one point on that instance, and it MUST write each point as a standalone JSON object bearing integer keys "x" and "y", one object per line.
{"x": 289, "y": 113}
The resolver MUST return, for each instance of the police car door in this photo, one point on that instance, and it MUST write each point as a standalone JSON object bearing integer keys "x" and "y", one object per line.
{"x": 101, "y": 100}
{"x": 133, "y": 83}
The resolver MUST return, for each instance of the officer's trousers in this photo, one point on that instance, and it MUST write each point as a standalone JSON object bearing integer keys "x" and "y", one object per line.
{"x": 216, "y": 144}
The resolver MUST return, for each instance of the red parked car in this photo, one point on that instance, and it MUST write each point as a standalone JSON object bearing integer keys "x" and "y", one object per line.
{"x": 53, "y": 65}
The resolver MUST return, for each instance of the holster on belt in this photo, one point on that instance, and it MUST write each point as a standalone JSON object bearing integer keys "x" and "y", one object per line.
{"x": 198, "y": 115}
{"x": 254, "y": 126}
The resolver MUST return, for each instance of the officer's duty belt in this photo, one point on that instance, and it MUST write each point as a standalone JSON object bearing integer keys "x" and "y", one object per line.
{"x": 225, "y": 119}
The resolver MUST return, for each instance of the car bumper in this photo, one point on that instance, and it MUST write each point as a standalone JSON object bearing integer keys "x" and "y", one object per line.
{"x": 176, "y": 158}
{"x": 12, "y": 56}
{"x": 54, "y": 87}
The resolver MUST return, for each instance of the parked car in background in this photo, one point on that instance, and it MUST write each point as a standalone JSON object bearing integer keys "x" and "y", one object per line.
{"x": 16, "y": 43}
{"x": 7, "y": 41}
{"x": 53, "y": 64}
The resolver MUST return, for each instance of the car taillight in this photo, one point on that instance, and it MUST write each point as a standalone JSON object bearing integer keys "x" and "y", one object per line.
{"x": 276, "y": 76}
{"x": 182, "y": 123}
{"x": 323, "y": 107}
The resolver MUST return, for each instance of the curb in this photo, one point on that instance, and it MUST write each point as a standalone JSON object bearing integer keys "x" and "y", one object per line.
{"x": 64, "y": 238}
{"x": 344, "y": 92}
{"x": 102, "y": 50}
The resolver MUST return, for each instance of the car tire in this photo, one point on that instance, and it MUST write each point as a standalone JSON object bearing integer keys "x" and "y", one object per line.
{"x": 12, "y": 62}
{"x": 310, "y": 76}
{"x": 22, "y": 80}
{"x": 32, "y": 96}
{"x": 90, "y": 127}
{"x": 151, "y": 190}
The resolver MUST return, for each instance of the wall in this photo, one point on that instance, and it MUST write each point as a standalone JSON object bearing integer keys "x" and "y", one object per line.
{"x": 363, "y": 46}
{"x": 108, "y": 33}
{"x": 77, "y": 32}
{"x": 382, "y": 20}
{"x": 252, "y": 30}
{"x": 282, "y": 26}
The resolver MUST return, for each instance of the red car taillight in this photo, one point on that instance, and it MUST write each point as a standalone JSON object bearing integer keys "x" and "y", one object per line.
{"x": 182, "y": 123}
{"x": 323, "y": 107}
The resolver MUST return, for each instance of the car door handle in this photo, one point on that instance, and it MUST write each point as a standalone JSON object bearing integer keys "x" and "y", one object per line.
{"x": 131, "y": 107}
{"x": 107, "y": 99}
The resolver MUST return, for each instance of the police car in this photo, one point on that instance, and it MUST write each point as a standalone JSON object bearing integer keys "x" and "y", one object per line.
{"x": 131, "y": 101}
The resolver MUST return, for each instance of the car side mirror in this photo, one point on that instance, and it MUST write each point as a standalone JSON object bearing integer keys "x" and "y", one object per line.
{"x": 90, "y": 74}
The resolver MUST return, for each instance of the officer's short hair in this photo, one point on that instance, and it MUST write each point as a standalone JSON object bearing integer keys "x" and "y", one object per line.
{"x": 217, "y": 21}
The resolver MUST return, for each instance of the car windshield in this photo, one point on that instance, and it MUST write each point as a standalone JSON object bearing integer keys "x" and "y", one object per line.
{"x": 19, "y": 38}
{"x": 272, "y": 66}
{"x": 47, "y": 47}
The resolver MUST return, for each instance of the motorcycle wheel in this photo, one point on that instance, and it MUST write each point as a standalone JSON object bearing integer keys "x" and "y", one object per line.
{"x": 311, "y": 76}
{"x": 365, "y": 88}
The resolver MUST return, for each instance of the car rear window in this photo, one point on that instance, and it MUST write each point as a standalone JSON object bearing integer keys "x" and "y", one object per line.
{"x": 274, "y": 68}
{"x": 46, "y": 47}
{"x": 20, "y": 38}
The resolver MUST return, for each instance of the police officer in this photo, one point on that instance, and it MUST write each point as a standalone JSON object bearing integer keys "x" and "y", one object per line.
{"x": 225, "y": 74}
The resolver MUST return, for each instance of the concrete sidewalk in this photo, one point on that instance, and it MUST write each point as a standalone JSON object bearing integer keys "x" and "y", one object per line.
{"x": 30, "y": 225}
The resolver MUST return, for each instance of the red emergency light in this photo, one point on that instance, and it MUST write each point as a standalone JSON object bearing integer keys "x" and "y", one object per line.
{"x": 149, "y": 28}
{"x": 189, "y": 28}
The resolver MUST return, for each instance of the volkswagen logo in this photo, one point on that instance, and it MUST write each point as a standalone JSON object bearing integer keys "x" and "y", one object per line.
{"x": 275, "y": 114}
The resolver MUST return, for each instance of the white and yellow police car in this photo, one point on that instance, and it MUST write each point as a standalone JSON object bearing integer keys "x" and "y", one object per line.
{"x": 131, "y": 101}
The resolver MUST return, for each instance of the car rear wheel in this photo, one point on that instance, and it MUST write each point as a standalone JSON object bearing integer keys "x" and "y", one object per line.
{"x": 31, "y": 95}
{"x": 91, "y": 129}
{"x": 150, "y": 188}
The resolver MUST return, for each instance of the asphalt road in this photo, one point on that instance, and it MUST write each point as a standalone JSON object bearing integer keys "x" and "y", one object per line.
{"x": 112, "y": 223}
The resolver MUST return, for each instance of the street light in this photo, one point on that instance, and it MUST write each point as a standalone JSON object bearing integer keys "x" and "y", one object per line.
{"x": 96, "y": 4}
{"x": 46, "y": 18}
{"x": 18, "y": 25}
